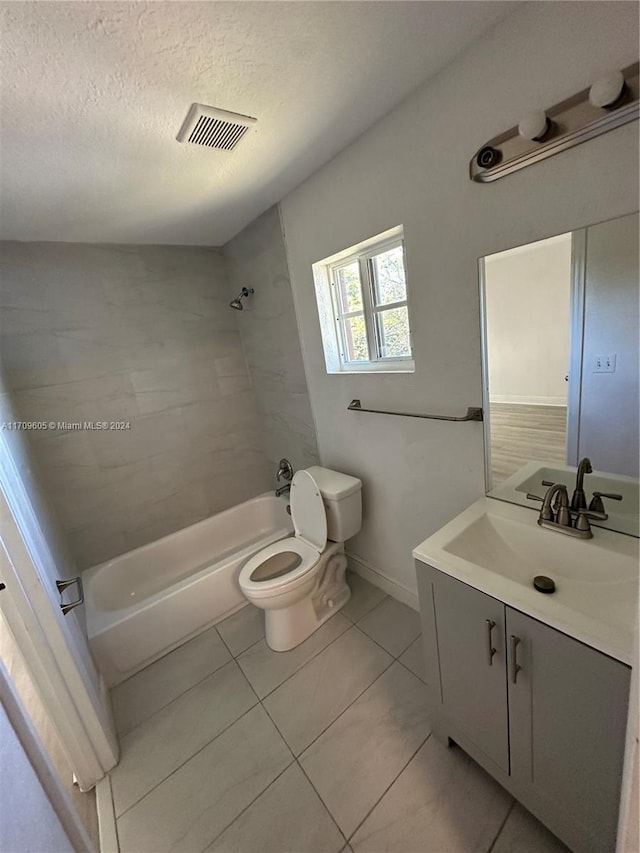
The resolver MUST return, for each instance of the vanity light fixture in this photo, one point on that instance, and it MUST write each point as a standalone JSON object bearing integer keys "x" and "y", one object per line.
{"x": 610, "y": 102}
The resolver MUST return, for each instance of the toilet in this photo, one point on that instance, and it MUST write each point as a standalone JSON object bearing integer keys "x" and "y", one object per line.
{"x": 300, "y": 581}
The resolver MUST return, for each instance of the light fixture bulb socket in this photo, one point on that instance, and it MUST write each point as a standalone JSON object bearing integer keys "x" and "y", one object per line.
{"x": 488, "y": 157}
{"x": 608, "y": 92}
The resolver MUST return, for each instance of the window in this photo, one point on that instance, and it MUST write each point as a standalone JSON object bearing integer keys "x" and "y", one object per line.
{"x": 365, "y": 316}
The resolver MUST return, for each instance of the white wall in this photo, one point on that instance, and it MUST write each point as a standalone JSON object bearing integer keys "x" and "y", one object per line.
{"x": 527, "y": 301}
{"x": 412, "y": 169}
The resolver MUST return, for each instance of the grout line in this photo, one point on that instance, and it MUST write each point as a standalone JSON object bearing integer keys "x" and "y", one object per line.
{"x": 502, "y": 826}
{"x": 275, "y": 725}
{"x": 197, "y": 752}
{"x": 260, "y": 702}
{"x": 248, "y": 806}
{"x": 302, "y": 665}
{"x": 374, "y": 608}
{"x": 379, "y": 645}
{"x": 165, "y": 655}
{"x": 415, "y": 674}
{"x": 126, "y": 733}
{"x": 389, "y": 786}
{"x": 328, "y": 810}
{"x": 362, "y": 692}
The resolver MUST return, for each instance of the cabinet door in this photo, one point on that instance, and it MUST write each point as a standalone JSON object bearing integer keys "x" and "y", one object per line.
{"x": 567, "y": 718}
{"x": 470, "y": 630}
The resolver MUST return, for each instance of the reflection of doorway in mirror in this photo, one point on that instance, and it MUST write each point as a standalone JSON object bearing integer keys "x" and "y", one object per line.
{"x": 527, "y": 307}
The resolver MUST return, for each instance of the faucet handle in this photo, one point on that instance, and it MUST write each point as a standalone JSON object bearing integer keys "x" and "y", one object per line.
{"x": 583, "y": 516}
{"x": 531, "y": 497}
{"x": 285, "y": 470}
{"x": 597, "y": 505}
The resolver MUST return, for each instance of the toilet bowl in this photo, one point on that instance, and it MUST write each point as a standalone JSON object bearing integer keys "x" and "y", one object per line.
{"x": 300, "y": 581}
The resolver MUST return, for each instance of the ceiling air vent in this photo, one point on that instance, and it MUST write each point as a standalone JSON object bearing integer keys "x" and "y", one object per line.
{"x": 214, "y": 128}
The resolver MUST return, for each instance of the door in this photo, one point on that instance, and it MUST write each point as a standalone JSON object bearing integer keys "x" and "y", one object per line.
{"x": 37, "y": 813}
{"x": 567, "y": 719}
{"x": 470, "y": 630}
{"x": 54, "y": 645}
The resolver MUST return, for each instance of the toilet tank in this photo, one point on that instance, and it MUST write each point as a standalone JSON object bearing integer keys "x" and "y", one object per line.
{"x": 341, "y": 495}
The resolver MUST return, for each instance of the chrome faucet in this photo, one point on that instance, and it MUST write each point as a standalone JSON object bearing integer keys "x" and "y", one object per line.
{"x": 284, "y": 472}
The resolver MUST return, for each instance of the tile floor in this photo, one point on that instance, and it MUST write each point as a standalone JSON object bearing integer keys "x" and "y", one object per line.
{"x": 230, "y": 747}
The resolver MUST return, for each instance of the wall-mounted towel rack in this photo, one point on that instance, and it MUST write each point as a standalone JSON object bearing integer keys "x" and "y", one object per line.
{"x": 473, "y": 413}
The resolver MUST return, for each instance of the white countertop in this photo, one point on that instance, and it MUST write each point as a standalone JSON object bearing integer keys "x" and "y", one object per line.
{"x": 498, "y": 548}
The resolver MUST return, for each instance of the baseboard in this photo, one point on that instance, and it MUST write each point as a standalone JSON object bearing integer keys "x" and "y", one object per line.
{"x": 529, "y": 401}
{"x": 107, "y": 830}
{"x": 377, "y": 578}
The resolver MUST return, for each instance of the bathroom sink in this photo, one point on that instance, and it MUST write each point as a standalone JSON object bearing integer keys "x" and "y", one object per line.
{"x": 499, "y": 548}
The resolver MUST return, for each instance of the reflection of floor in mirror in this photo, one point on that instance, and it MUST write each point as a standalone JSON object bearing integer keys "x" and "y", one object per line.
{"x": 520, "y": 433}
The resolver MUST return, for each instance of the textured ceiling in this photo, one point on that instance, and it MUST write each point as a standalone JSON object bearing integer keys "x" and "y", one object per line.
{"x": 93, "y": 94}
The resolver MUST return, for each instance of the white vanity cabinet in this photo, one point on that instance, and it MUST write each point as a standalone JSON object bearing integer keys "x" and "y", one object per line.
{"x": 543, "y": 713}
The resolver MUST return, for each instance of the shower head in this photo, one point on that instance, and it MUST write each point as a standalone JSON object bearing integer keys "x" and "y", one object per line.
{"x": 237, "y": 302}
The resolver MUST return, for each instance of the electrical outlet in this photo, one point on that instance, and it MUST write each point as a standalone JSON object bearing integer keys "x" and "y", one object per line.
{"x": 605, "y": 363}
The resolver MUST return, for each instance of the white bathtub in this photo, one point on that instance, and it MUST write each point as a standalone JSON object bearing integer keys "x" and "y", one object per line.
{"x": 144, "y": 603}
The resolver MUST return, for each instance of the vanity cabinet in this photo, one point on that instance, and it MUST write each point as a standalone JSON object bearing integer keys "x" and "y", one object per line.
{"x": 543, "y": 713}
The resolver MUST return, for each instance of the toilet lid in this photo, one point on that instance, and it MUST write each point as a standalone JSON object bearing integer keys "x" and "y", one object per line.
{"x": 307, "y": 511}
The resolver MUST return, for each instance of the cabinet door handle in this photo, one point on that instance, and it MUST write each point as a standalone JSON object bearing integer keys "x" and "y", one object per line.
{"x": 515, "y": 669}
{"x": 490, "y": 649}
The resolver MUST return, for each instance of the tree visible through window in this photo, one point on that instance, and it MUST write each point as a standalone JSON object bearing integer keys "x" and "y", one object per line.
{"x": 370, "y": 300}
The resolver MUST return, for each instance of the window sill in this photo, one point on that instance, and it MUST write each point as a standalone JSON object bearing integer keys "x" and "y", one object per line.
{"x": 385, "y": 367}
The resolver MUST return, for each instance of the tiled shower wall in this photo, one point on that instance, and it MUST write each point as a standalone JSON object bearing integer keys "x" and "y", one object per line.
{"x": 256, "y": 258}
{"x": 141, "y": 335}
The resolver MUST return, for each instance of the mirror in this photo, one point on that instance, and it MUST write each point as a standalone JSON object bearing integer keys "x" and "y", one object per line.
{"x": 560, "y": 367}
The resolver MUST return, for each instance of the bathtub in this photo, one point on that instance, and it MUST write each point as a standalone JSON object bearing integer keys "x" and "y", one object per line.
{"x": 146, "y": 602}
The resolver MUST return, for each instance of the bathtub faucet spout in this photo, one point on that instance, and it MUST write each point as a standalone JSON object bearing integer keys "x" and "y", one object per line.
{"x": 283, "y": 490}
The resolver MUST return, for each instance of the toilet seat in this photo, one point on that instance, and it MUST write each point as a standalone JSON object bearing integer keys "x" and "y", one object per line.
{"x": 308, "y": 555}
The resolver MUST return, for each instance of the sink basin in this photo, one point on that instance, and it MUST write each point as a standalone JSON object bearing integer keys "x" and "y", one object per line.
{"x": 624, "y": 516}
{"x": 499, "y": 548}
{"x": 516, "y": 550}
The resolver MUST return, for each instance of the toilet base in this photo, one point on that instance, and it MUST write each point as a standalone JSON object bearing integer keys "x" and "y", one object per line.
{"x": 287, "y": 627}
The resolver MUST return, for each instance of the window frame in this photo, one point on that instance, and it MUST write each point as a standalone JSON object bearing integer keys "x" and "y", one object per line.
{"x": 370, "y": 311}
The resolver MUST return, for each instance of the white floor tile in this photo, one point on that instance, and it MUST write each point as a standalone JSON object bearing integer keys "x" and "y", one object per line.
{"x": 441, "y": 803}
{"x": 266, "y": 669}
{"x": 287, "y": 818}
{"x": 392, "y": 624}
{"x": 165, "y": 741}
{"x": 187, "y": 811}
{"x": 358, "y": 757}
{"x": 312, "y": 698}
{"x": 523, "y": 833}
{"x": 154, "y": 687}
{"x": 364, "y": 597}
{"x": 243, "y": 629}
{"x": 413, "y": 659}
